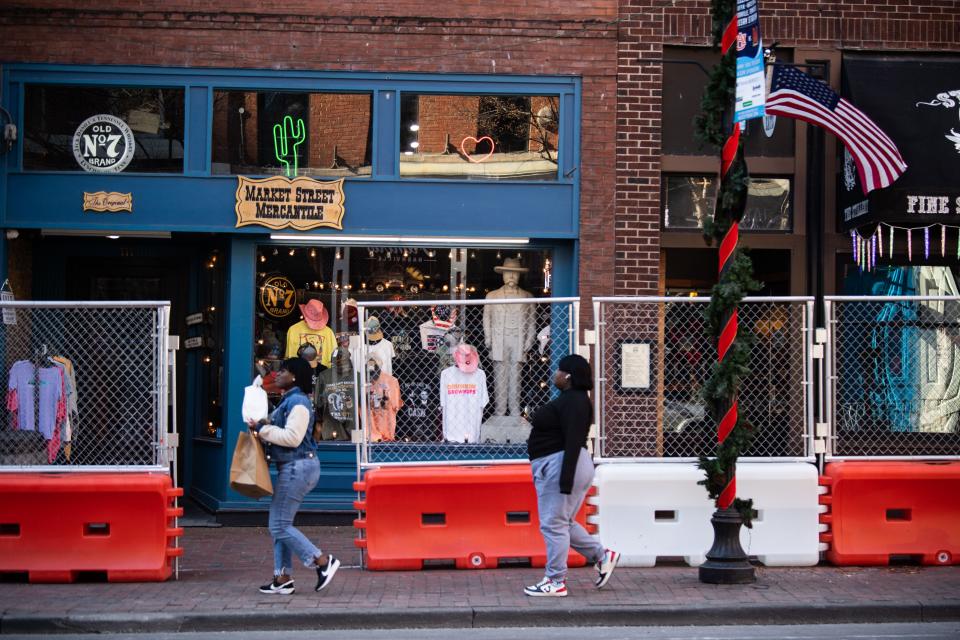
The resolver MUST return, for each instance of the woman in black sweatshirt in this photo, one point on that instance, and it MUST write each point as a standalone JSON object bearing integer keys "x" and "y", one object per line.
{"x": 562, "y": 474}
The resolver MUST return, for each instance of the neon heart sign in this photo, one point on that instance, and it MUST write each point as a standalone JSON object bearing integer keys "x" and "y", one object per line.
{"x": 476, "y": 141}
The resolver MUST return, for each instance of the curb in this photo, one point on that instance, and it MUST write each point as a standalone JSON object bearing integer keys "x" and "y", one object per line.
{"x": 471, "y": 617}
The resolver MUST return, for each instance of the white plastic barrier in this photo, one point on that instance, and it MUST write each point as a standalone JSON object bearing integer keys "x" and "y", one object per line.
{"x": 651, "y": 510}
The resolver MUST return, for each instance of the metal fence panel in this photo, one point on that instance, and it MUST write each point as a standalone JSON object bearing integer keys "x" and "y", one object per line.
{"x": 111, "y": 412}
{"x": 653, "y": 356}
{"x": 894, "y": 376}
{"x": 442, "y": 418}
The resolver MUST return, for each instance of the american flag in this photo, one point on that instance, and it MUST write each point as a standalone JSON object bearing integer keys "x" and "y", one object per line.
{"x": 794, "y": 94}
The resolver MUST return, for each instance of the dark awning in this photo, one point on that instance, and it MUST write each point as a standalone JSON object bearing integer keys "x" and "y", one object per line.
{"x": 916, "y": 101}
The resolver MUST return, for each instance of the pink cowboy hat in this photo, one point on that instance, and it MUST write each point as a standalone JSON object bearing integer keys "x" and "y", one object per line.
{"x": 315, "y": 314}
{"x": 466, "y": 358}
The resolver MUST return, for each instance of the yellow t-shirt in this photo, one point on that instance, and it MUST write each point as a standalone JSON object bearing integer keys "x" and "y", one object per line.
{"x": 324, "y": 341}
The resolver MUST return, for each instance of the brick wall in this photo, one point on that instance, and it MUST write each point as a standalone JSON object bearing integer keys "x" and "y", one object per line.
{"x": 645, "y": 26}
{"x": 530, "y": 37}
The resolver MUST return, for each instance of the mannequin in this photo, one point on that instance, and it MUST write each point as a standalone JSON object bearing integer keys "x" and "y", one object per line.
{"x": 509, "y": 331}
{"x": 333, "y": 397}
{"x": 463, "y": 395}
{"x": 378, "y": 345}
{"x": 383, "y": 402}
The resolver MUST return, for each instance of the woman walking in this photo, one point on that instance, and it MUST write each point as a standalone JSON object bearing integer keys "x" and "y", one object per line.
{"x": 288, "y": 438}
{"x": 562, "y": 474}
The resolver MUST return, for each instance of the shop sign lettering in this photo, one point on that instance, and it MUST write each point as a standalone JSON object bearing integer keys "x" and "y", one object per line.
{"x": 300, "y": 203}
{"x": 107, "y": 201}
{"x": 933, "y": 205}
{"x": 278, "y": 296}
{"x": 103, "y": 144}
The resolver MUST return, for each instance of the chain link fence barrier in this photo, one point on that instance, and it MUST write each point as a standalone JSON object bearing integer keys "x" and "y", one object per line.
{"x": 86, "y": 386}
{"x": 653, "y": 356}
{"x": 894, "y": 370}
{"x": 456, "y": 381}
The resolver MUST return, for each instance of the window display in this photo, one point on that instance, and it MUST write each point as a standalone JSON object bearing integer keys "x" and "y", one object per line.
{"x": 291, "y": 134}
{"x": 306, "y": 304}
{"x": 103, "y": 129}
{"x": 481, "y": 136}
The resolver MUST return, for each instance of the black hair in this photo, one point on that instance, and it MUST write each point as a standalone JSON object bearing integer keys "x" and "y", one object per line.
{"x": 302, "y": 373}
{"x": 579, "y": 369}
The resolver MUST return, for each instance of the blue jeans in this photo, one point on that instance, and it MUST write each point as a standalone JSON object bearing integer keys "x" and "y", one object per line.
{"x": 294, "y": 481}
{"x": 557, "y": 512}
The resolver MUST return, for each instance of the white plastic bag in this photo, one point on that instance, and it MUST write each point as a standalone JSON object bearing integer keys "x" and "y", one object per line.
{"x": 255, "y": 405}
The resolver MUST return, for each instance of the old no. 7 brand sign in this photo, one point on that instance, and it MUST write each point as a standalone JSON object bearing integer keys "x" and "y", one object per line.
{"x": 103, "y": 144}
{"x": 279, "y": 202}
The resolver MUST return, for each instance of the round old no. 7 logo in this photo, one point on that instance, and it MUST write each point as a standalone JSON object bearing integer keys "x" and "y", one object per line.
{"x": 103, "y": 144}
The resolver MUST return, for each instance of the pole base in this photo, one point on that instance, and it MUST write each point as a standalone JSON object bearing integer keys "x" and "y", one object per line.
{"x": 726, "y": 561}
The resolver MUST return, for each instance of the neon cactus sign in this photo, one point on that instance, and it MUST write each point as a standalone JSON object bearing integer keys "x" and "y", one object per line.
{"x": 286, "y": 139}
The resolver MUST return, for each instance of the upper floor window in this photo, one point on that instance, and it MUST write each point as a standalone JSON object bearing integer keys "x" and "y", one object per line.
{"x": 290, "y": 133}
{"x": 690, "y": 200}
{"x": 103, "y": 129}
{"x": 685, "y": 75}
{"x": 498, "y": 137}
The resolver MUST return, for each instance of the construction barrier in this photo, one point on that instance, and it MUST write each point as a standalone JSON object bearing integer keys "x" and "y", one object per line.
{"x": 66, "y": 527}
{"x": 657, "y": 510}
{"x": 473, "y": 516}
{"x": 880, "y": 511}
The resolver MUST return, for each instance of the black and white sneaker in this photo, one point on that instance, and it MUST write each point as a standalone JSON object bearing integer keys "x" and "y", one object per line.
{"x": 283, "y": 588}
{"x": 326, "y": 572}
{"x": 605, "y": 567}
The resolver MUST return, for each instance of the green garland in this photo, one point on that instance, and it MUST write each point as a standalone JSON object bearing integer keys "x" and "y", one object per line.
{"x": 737, "y": 282}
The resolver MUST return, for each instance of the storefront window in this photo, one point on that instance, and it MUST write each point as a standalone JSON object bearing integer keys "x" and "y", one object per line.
{"x": 479, "y": 137}
{"x": 690, "y": 200}
{"x": 288, "y": 133}
{"x": 305, "y": 304}
{"x": 103, "y": 129}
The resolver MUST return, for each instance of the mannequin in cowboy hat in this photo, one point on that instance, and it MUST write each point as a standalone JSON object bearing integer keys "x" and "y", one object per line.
{"x": 313, "y": 330}
{"x": 508, "y": 331}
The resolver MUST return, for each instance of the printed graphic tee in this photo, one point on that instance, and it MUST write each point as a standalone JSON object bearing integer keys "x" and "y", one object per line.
{"x": 383, "y": 349}
{"x": 324, "y": 341}
{"x": 462, "y": 399}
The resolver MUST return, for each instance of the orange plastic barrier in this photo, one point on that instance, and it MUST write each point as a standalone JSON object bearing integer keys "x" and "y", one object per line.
{"x": 880, "y": 511}
{"x": 60, "y": 527}
{"x": 475, "y": 516}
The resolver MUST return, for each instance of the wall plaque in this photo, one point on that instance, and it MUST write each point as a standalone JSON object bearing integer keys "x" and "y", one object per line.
{"x": 107, "y": 201}
{"x": 279, "y": 202}
{"x": 278, "y": 296}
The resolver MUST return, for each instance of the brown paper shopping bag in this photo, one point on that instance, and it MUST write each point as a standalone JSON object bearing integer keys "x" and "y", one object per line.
{"x": 249, "y": 472}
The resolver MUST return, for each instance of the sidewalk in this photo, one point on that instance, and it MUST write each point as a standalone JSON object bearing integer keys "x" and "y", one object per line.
{"x": 222, "y": 567}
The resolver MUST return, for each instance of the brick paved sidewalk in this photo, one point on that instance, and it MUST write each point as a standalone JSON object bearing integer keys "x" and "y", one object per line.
{"x": 222, "y": 567}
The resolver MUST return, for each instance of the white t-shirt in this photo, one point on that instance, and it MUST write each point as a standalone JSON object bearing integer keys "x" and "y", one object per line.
{"x": 384, "y": 351}
{"x": 462, "y": 398}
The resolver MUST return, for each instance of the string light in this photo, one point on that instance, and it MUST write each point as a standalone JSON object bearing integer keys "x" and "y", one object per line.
{"x": 909, "y": 245}
{"x": 943, "y": 241}
{"x": 880, "y": 241}
{"x": 859, "y": 244}
{"x": 926, "y": 243}
{"x": 313, "y": 253}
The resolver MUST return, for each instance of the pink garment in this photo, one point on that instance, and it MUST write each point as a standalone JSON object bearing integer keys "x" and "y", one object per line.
{"x": 383, "y": 403}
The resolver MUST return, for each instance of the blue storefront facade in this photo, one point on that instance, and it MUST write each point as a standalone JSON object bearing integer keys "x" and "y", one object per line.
{"x": 474, "y": 195}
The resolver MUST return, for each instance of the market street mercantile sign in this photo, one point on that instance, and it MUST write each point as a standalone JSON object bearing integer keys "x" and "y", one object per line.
{"x": 111, "y": 201}
{"x": 279, "y": 202}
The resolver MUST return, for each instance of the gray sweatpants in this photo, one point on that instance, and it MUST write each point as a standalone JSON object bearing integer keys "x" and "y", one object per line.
{"x": 557, "y": 511}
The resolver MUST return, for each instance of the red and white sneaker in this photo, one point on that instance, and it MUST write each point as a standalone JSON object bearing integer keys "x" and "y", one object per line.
{"x": 605, "y": 567}
{"x": 547, "y": 587}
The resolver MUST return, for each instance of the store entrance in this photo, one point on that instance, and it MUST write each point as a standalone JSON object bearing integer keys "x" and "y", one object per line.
{"x": 100, "y": 269}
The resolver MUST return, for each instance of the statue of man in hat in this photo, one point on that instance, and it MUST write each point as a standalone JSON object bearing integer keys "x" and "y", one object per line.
{"x": 509, "y": 331}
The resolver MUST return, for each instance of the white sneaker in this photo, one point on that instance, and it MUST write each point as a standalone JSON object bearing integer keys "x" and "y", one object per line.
{"x": 326, "y": 573}
{"x": 605, "y": 567}
{"x": 283, "y": 588}
{"x": 547, "y": 587}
